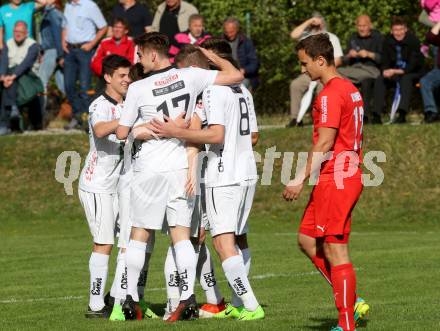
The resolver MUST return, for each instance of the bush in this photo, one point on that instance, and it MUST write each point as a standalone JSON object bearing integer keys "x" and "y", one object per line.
{"x": 269, "y": 23}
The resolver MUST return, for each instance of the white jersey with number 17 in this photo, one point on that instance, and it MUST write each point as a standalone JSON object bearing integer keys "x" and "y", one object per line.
{"x": 231, "y": 162}
{"x": 169, "y": 92}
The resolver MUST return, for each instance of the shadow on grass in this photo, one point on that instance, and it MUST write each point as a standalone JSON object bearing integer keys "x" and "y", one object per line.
{"x": 158, "y": 308}
{"x": 328, "y": 323}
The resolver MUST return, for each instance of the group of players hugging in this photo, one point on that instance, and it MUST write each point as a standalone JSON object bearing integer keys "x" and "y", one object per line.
{"x": 171, "y": 149}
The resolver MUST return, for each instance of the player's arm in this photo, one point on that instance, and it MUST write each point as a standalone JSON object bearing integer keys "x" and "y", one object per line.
{"x": 317, "y": 155}
{"x": 103, "y": 129}
{"x": 228, "y": 74}
{"x": 255, "y": 136}
{"x": 129, "y": 115}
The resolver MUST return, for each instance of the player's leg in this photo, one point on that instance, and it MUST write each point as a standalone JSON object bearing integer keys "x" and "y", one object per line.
{"x": 206, "y": 276}
{"x": 224, "y": 205}
{"x": 100, "y": 216}
{"x": 143, "y": 277}
{"x": 243, "y": 249}
{"x": 119, "y": 287}
{"x": 171, "y": 282}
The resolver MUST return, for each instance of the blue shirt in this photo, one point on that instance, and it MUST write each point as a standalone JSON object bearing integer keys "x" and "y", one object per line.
{"x": 9, "y": 16}
{"x": 82, "y": 20}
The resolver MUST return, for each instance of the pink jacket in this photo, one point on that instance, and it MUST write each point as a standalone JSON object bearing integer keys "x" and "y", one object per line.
{"x": 183, "y": 38}
{"x": 432, "y": 7}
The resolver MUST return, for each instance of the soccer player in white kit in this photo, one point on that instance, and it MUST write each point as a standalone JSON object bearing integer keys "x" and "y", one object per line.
{"x": 161, "y": 165}
{"x": 231, "y": 179}
{"x": 99, "y": 177}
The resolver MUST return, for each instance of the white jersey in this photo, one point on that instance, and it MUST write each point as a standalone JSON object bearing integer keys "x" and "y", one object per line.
{"x": 104, "y": 161}
{"x": 169, "y": 91}
{"x": 231, "y": 162}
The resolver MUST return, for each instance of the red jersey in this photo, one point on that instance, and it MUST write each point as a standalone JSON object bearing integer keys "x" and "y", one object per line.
{"x": 340, "y": 106}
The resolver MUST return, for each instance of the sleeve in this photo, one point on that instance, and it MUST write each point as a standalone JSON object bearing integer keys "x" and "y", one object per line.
{"x": 337, "y": 49}
{"x": 378, "y": 48}
{"x": 99, "y": 112}
{"x": 433, "y": 38}
{"x": 201, "y": 78}
{"x": 416, "y": 59}
{"x": 97, "y": 17}
{"x": 4, "y": 60}
{"x": 96, "y": 62}
{"x": 330, "y": 110}
{"x": 130, "y": 113}
{"x": 28, "y": 61}
{"x": 156, "y": 20}
{"x": 147, "y": 19}
{"x": 214, "y": 106}
{"x": 252, "y": 115}
{"x": 31, "y": 6}
{"x": 56, "y": 28}
{"x": 386, "y": 56}
{"x": 252, "y": 64}
{"x": 1, "y": 18}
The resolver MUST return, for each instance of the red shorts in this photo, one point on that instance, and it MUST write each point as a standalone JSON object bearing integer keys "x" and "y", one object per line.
{"x": 328, "y": 213}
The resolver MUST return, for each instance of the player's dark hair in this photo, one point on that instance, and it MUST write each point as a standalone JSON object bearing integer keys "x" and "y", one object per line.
{"x": 222, "y": 48}
{"x": 190, "y": 55}
{"x": 398, "y": 20}
{"x": 113, "y": 62}
{"x": 123, "y": 21}
{"x": 156, "y": 41}
{"x": 318, "y": 45}
{"x": 137, "y": 72}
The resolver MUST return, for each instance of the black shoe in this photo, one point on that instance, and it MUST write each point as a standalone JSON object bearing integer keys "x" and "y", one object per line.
{"x": 131, "y": 309}
{"x": 293, "y": 123}
{"x": 109, "y": 300}
{"x": 103, "y": 313}
{"x": 401, "y": 118}
{"x": 185, "y": 311}
{"x": 431, "y": 117}
{"x": 376, "y": 119}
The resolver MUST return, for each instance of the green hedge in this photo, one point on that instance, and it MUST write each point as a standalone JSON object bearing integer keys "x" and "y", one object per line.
{"x": 271, "y": 22}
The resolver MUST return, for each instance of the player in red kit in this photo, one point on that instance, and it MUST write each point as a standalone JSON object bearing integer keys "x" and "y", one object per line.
{"x": 336, "y": 155}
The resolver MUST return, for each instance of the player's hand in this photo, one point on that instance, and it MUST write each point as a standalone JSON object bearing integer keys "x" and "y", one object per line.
{"x": 191, "y": 181}
{"x": 388, "y": 73}
{"x": 144, "y": 132}
{"x": 292, "y": 191}
{"x": 181, "y": 121}
{"x": 165, "y": 129}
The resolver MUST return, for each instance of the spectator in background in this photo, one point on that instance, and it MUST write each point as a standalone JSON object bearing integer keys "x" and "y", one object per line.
{"x": 431, "y": 81}
{"x": 19, "y": 57}
{"x": 172, "y": 17}
{"x": 299, "y": 86}
{"x": 85, "y": 27}
{"x": 194, "y": 35}
{"x": 362, "y": 60}
{"x": 243, "y": 51}
{"x": 16, "y": 11}
{"x": 137, "y": 15}
{"x": 51, "y": 29}
{"x": 120, "y": 44}
{"x": 402, "y": 65}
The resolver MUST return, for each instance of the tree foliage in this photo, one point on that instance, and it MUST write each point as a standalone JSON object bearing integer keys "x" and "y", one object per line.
{"x": 269, "y": 23}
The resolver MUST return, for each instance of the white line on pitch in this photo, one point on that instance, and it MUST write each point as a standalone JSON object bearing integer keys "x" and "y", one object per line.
{"x": 80, "y": 297}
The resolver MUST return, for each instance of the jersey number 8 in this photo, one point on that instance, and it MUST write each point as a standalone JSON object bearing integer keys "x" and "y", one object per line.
{"x": 244, "y": 118}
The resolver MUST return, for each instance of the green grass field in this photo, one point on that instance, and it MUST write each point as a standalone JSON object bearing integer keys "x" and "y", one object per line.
{"x": 45, "y": 244}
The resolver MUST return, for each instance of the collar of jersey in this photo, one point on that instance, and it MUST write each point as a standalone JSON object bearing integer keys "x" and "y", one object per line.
{"x": 151, "y": 73}
{"x": 109, "y": 98}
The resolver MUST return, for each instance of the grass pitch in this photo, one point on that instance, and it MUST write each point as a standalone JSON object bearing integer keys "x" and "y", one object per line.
{"x": 395, "y": 244}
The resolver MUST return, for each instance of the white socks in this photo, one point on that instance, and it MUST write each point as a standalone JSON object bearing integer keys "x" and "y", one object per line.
{"x": 186, "y": 265}
{"x": 119, "y": 287}
{"x": 171, "y": 280}
{"x": 246, "y": 254}
{"x": 205, "y": 274}
{"x": 135, "y": 257}
{"x": 143, "y": 275}
{"x": 98, "y": 266}
{"x": 235, "y": 273}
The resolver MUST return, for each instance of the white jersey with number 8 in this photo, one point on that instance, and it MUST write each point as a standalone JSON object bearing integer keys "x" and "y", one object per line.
{"x": 231, "y": 162}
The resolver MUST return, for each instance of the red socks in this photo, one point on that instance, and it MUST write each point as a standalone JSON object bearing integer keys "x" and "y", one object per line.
{"x": 343, "y": 279}
{"x": 322, "y": 265}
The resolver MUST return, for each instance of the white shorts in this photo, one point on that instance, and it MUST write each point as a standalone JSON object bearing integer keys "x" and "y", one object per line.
{"x": 228, "y": 208}
{"x": 101, "y": 211}
{"x": 124, "y": 224}
{"x": 159, "y": 196}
